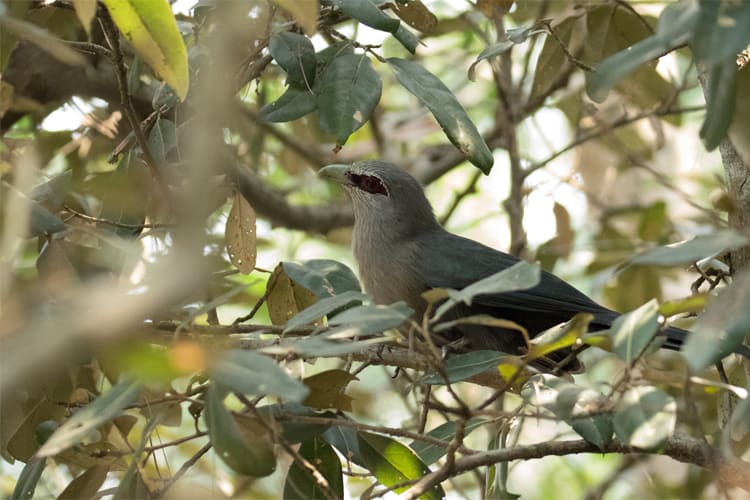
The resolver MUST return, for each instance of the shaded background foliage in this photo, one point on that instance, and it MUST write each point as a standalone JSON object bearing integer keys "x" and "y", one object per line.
{"x": 179, "y": 313}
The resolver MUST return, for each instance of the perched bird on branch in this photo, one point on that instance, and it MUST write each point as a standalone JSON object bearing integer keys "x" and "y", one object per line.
{"x": 402, "y": 251}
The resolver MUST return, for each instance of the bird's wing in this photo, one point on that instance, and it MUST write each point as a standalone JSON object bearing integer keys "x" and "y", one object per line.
{"x": 456, "y": 262}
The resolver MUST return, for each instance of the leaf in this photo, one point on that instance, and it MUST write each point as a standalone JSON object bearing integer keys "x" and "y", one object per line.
{"x": 347, "y": 92}
{"x": 373, "y": 318}
{"x": 300, "y": 483}
{"x": 634, "y": 331}
{"x": 552, "y": 60}
{"x": 520, "y": 276}
{"x": 561, "y": 336}
{"x": 152, "y": 30}
{"x": 296, "y": 55}
{"x": 573, "y": 404}
{"x": 692, "y": 304}
{"x": 41, "y": 221}
{"x": 676, "y": 25}
{"x": 722, "y": 86}
{"x": 251, "y": 458}
{"x": 407, "y": 39}
{"x": 416, "y": 15}
{"x": 53, "y": 192}
{"x": 446, "y": 109}
{"x": 285, "y": 298}
{"x": 42, "y": 39}
{"x": 327, "y": 390}
{"x": 723, "y": 327}
{"x": 463, "y": 366}
{"x": 293, "y": 431}
{"x": 103, "y": 409}
{"x": 28, "y": 479}
{"x": 645, "y": 417}
{"x": 305, "y": 13}
{"x": 323, "y": 307}
{"x": 722, "y": 31}
{"x": 491, "y": 51}
{"x": 251, "y": 373}
{"x": 368, "y": 12}
{"x": 393, "y": 463}
{"x": 85, "y": 485}
{"x": 691, "y": 251}
{"x": 430, "y": 453}
{"x": 240, "y": 236}
{"x": 162, "y": 139}
{"x": 293, "y": 104}
{"x": 85, "y": 10}
{"x": 323, "y": 277}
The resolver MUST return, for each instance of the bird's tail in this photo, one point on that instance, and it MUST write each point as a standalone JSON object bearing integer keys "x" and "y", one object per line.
{"x": 675, "y": 338}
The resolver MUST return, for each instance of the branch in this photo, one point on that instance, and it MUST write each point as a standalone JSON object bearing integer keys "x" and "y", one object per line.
{"x": 273, "y": 205}
{"x": 684, "y": 449}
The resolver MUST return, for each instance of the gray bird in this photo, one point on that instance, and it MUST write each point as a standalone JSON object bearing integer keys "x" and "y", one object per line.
{"x": 402, "y": 251}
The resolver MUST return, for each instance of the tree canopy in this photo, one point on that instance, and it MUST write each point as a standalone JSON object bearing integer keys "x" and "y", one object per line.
{"x": 181, "y": 315}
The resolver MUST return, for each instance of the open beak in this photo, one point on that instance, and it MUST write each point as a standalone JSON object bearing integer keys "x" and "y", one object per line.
{"x": 335, "y": 172}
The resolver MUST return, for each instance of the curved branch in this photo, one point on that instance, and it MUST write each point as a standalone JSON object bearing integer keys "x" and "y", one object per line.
{"x": 729, "y": 470}
{"x": 273, "y": 205}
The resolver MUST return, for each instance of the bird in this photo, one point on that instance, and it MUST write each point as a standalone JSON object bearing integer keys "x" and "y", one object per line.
{"x": 402, "y": 251}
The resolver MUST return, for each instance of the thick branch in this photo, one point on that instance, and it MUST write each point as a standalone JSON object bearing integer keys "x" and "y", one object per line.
{"x": 684, "y": 449}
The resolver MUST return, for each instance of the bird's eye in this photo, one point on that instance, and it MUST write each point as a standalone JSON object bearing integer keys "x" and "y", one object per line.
{"x": 368, "y": 183}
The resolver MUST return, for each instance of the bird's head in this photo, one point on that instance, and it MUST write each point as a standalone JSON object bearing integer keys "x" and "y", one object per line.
{"x": 385, "y": 196}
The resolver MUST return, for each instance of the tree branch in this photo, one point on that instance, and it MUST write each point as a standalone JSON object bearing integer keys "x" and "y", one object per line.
{"x": 684, "y": 449}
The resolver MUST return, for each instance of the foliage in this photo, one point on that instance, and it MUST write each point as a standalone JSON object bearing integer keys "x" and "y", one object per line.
{"x": 172, "y": 281}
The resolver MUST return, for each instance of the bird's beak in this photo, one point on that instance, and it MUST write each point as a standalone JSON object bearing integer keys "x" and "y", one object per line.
{"x": 335, "y": 172}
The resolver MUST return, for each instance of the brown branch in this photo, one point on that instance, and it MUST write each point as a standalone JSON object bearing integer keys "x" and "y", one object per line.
{"x": 273, "y": 205}
{"x": 112, "y": 35}
{"x": 684, "y": 449}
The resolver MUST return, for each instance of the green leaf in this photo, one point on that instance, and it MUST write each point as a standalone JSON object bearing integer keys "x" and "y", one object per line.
{"x": 293, "y": 431}
{"x": 645, "y": 417}
{"x": 373, "y": 318}
{"x": 28, "y": 479}
{"x": 328, "y": 390}
{"x": 101, "y": 410}
{"x": 293, "y": 104}
{"x": 723, "y": 327}
{"x": 85, "y": 485}
{"x": 723, "y": 31}
{"x": 367, "y": 12}
{"x": 151, "y": 29}
{"x": 573, "y": 404}
{"x": 300, "y": 483}
{"x": 520, "y": 276}
{"x": 430, "y": 453}
{"x": 408, "y": 39}
{"x": 463, "y": 366}
{"x": 323, "y": 277}
{"x": 634, "y": 331}
{"x": 41, "y": 222}
{"x": 251, "y": 458}
{"x": 54, "y": 191}
{"x": 491, "y": 51}
{"x": 691, "y": 251}
{"x": 251, "y": 373}
{"x": 392, "y": 463}
{"x": 347, "y": 92}
{"x": 552, "y": 59}
{"x": 162, "y": 139}
{"x": 446, "y": 109}
{"x": 722, "y": 86}
{"x": 323, "y": 307}
{"x": 296, "y": 55}
{"x": 676, "y": 25}
{"x": 561, "y": 336}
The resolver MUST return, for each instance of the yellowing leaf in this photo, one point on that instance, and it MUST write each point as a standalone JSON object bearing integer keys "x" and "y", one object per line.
{"x": 305, "y": 12}
{"x": 85, "y": 10}
{"x": 327, "y": 390}
{"x": 151, "y": 29}
{"x": 240, "y": 235}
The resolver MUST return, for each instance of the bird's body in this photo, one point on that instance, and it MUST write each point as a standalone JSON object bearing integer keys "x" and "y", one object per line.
{"x": 402, "y": 251}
